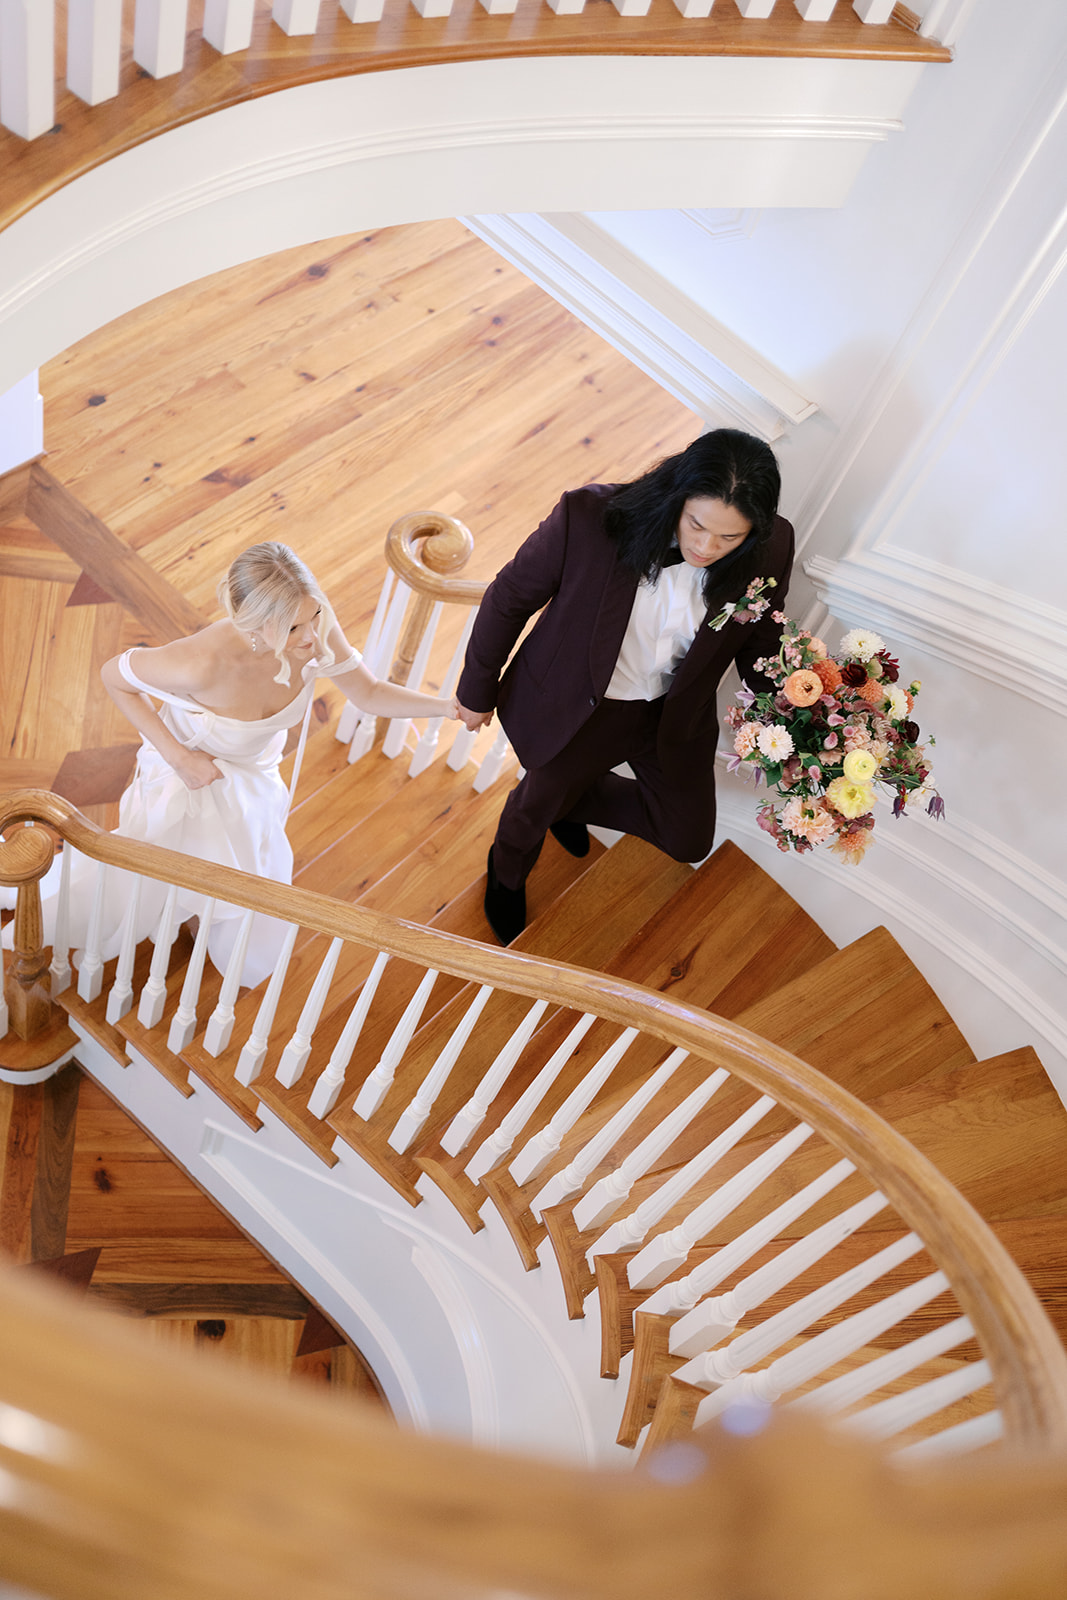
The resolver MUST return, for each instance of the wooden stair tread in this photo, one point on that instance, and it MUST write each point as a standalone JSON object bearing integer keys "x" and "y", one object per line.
{"x": 586, "y": 926}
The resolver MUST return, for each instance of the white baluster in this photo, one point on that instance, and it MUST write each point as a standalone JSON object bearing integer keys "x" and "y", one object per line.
{"x": 159, "y": 36}
{"x": 630, "y": 1231}
{"x": 712, "y": 1320}
{"x": 574, "y": 1175}
{"x": 254, "y": 1050}
{"x": 27, "y": 66}
{"x": 755, "y": 8}
{"x": 363, "y": 10}
{"x": 493, "y": 763}
{"x": 228, "y": 24}
{"x": 874, "y": 12}
{"x": 325, "y": 1094}
{"x": 816, "y": 1355}
{"x": 974, "y": 1434}
{"x": 668, "y": 1250}
{"x": 90, "y": 973}
{"x": 94, "y": 49}
{"x": 815, "y": 10}
{"x": 460, "y": 753}
{"x": 695, "y": 8}
{"x": 470, "y": 1117}
{"x": 426, "y": 748}
{"x": 377, "y": 1085}
{"x": 852, "y": 1387}
{"x": 296, "y": 17}
{"x": 4, "y": 1018}
{"x": 413, "y": 1119}
{"x": 721, "y": 1367}
{"x": 220, "y": 1023}
{"x": 346, "y": 722}
{"x": 490, "y": 1153}
{"x": 567, "y": 8}
{"x": 632, "y": 8}
{"x": 363, "y": 737}
{"x": 607, "y": 1195}
{"x": 120, "y": 999}
{"x": 154, "y": 994}
{"x": 903, "y": 1411}
{"x": 687, "y": 1294}
{"x": 433, "y": 8}
{"x": 398, "y": 727}
{"x": 183, "y": 1022}
{"x": 295, "y": 1055}
{"x": 59, "y": 970}
{"x": 538, "y": 1151}
{"x": 500, "y": 8}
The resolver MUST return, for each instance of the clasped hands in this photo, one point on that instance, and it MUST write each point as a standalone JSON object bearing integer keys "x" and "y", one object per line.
{"x": 473, "y": 720}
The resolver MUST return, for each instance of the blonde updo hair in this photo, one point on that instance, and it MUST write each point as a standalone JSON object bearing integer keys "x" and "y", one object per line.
{"x": 262, "y": 593}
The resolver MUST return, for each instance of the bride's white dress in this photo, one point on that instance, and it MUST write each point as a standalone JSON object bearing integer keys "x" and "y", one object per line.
{"x": 237, "y": 821}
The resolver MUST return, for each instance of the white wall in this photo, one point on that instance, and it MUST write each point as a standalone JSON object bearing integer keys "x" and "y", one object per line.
{"x": 927, "y": 318}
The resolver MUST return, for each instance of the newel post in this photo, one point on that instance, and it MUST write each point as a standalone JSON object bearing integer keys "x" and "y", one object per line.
{"x": 25, "y": 856}
{"x": 446, "y": 548}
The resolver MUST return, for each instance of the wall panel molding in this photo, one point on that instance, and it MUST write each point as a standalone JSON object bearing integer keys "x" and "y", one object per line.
{"x": 1018, "y": 643}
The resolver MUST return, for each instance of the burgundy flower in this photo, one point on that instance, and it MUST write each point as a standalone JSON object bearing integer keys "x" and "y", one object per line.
{"x": 854, "y": 673}
{"x": 910, "y": 731}
{"x": 890, "y": 666}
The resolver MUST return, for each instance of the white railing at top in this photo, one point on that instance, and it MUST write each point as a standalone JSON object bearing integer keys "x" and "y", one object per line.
{"x": 28, "y": 43}
{"x": 404, "y": 1090}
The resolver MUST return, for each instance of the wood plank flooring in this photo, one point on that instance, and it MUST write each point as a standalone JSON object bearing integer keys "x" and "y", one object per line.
{"x": 312, "y": 396}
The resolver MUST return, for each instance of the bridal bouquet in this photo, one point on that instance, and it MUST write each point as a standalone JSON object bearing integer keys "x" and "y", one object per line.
{"x": 834, "y": 728}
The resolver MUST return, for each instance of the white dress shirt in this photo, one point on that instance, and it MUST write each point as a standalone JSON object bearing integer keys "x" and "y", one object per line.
{"x": 663, "y": 624}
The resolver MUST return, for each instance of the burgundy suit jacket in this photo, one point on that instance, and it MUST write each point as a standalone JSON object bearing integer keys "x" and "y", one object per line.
{"x": 569, "y": 571}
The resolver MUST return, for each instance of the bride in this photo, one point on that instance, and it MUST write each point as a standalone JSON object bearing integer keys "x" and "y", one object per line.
{"x": 207, "y": 781}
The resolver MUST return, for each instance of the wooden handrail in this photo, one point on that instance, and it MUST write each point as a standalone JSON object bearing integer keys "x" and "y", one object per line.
{"x": 131, "y": 1470}
{"x": 425, "y": 549}
{"x": 1029, "y": 1363}
{"x": 85, "y": 137}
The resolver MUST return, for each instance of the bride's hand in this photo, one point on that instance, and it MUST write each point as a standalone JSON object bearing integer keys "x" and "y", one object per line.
{"x": 197, "y": 770}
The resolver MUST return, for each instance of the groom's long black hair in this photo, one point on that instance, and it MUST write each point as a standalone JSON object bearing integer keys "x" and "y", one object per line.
{"x": 736, "y": 468}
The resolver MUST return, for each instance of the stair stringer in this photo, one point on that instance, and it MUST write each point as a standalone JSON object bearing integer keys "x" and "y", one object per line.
{"x": 463, "y": 1341}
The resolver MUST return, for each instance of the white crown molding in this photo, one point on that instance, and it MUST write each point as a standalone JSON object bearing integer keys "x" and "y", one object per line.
{"x": 725, "y": 224}
{"x": 1016, "y": 642}
{"x": 694, "y": 357}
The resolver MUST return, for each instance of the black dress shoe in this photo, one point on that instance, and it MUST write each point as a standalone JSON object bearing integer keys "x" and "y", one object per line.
{"x": 505, "y": 909}
{"x": 573, "y": 836}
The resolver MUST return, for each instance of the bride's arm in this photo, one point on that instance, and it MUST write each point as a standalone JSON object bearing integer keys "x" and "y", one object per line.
{"x": 179, "y": 668}
{"x": 375, "y": 695}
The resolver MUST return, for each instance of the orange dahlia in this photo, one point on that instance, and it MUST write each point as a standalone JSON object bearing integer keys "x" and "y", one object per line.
{"x": 828, "y": 673}
{"x": 802, "y": 688}
{"x": 871, "y": 691}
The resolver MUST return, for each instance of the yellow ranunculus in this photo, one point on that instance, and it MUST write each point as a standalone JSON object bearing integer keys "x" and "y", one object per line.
{"x": 850, "y": 799}
{"x": 859, "y": 766}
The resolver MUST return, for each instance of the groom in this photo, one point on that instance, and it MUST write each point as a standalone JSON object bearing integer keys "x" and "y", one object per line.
{"x": 625, "y": 659}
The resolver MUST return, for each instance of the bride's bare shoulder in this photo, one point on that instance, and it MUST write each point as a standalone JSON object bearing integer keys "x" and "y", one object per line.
{"x": 191, "y": 665}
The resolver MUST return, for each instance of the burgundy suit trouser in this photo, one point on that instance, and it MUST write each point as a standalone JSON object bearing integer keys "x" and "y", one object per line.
{"x": 578, "y": 785}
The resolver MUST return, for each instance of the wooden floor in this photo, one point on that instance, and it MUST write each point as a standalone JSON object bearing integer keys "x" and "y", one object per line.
{"x": 311, "y": 397}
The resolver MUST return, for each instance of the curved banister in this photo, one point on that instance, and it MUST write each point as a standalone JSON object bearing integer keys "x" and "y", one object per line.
{"x": 131, "y": 1470}
{"x": 1028, "y": 1361}
{"x": 84, "y": 136}
{"x": 426, "y": 549}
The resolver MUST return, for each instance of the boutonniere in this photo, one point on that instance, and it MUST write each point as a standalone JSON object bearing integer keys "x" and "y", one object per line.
{"x": 749, "y": 608}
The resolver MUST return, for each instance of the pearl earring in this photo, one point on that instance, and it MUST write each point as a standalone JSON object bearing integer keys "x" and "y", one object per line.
{"x": 253, "y": 644}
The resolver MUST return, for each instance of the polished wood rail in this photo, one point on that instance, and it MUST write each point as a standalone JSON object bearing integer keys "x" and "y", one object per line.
{"x": 83, "y": 137}
{"x": 131, "y": 1472}
{"x": 1029, "y": 1365}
